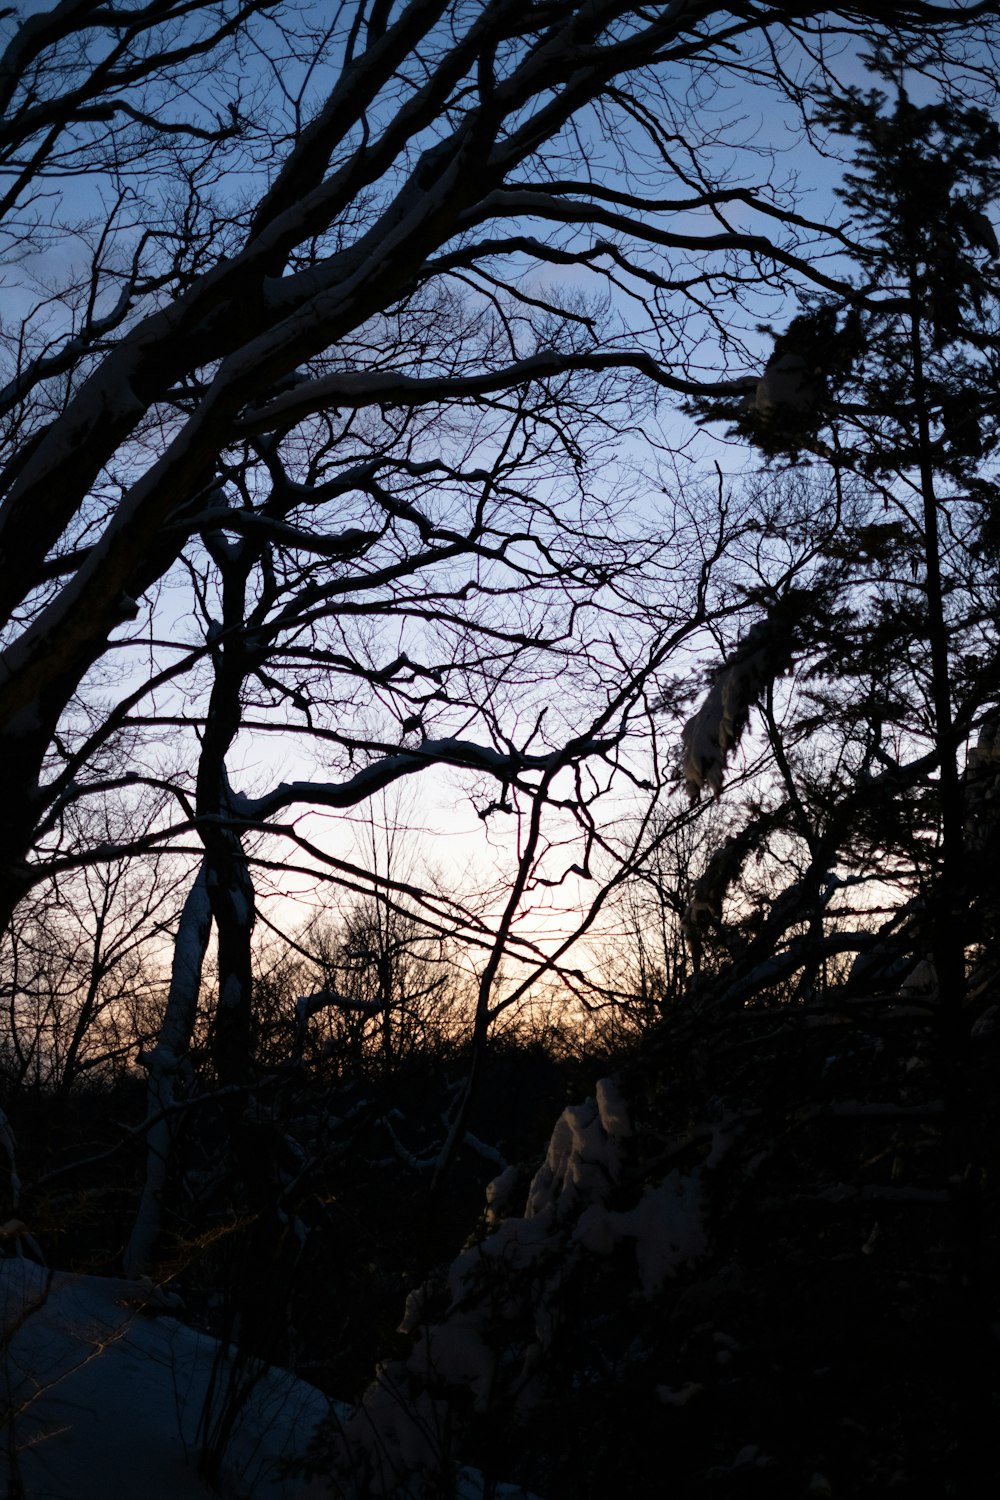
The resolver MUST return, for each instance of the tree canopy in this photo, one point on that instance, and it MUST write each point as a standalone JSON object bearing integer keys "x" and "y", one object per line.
{"x": 476, "y": 388}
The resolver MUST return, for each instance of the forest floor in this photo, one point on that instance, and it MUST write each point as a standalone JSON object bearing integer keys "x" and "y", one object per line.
{"x": 837, "y": 1336}
{"x": 840, "y": 1335}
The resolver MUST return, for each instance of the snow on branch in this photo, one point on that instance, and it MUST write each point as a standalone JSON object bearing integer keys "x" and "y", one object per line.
{"x": 307, "y": 1006}
{"x": 710, "y": 734}
{"x": 723, "y": 870}
{"x": 356, "y": 389}
{"x": 381, "y": 773}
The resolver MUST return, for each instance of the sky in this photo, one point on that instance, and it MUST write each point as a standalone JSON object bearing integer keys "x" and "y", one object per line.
{"x": 447, "y": 830}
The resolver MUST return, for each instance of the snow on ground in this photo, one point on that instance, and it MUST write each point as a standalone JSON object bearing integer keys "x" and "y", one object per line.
{"x": 102, "y": 1391}
{"x": 102, "y": 1395}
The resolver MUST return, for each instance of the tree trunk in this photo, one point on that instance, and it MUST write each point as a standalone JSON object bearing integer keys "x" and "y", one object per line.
{"x": 164, "y": 1063}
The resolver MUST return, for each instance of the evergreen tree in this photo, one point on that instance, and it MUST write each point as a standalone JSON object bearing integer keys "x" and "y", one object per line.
{"x": 896, "y": 392}
{"x": 924, "y": 180}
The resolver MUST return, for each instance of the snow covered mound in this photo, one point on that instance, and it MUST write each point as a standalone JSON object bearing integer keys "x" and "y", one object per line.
{"x": 484, "y": 1332}
{"x": 103, "y": 1395}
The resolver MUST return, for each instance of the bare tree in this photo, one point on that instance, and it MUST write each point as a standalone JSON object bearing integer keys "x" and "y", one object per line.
{"x": 329, "y": 350}
{"x": 318, "y": 366}
{"x": 81, "y": 968}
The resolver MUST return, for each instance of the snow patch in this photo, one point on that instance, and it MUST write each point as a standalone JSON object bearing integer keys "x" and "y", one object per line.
{"x": 484, "y": 1330}
{"x": 456, "y": 1353}
{"x": 579, "y": 1163}
{"x": 101, "y": 1397}
{"x": 500, "y": 1195}
{"x": 612, "y": 1109}
{"x": 666, "y": 1225}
